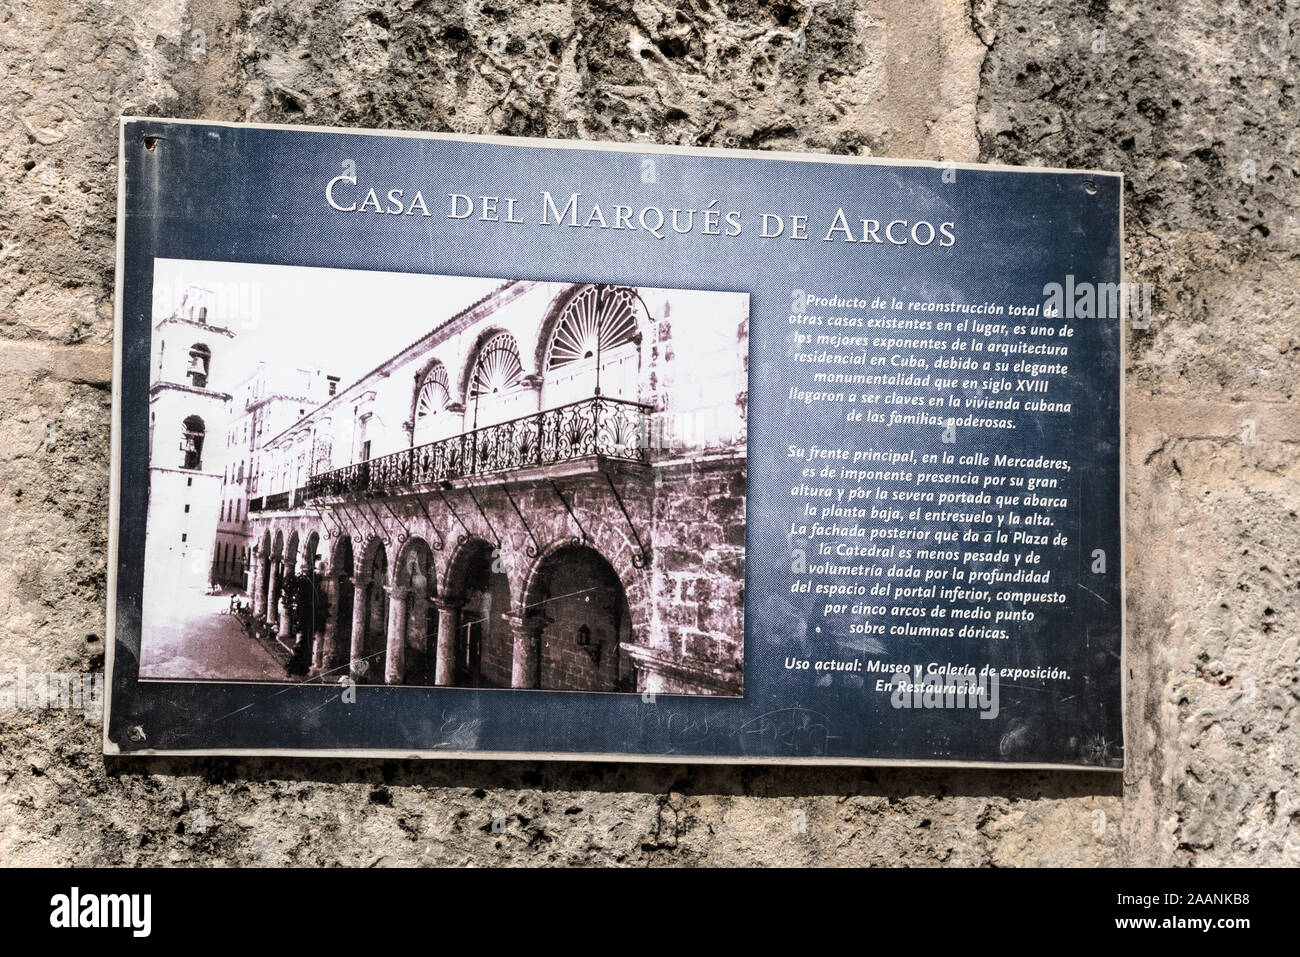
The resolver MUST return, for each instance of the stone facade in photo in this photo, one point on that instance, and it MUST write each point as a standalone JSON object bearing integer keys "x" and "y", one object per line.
{"x": 1193, "y": 102}
{"x": 546, "y": 490}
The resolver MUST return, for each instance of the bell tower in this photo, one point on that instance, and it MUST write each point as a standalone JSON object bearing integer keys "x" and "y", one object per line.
{"x": 189, "y": 416}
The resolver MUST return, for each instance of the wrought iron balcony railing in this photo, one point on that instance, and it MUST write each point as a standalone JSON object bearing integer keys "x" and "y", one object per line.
{"x": 277, "y": 502}
{"x": 596, "y": 427}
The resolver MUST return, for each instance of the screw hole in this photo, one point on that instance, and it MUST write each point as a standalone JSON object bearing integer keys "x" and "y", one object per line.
{"x": 1090, "y": 188}
{"x": 150, "y": 143}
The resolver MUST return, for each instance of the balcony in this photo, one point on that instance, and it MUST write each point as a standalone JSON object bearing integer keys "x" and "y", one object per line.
{"x": 276, "y": 503}
{"x": 598, "y": 427}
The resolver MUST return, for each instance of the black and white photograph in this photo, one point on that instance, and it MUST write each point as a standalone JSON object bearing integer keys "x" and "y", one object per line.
{"x": 404, "y": 479}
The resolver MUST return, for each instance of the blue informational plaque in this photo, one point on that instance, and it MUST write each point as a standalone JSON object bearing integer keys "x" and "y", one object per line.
{"x": 435, "y": 445}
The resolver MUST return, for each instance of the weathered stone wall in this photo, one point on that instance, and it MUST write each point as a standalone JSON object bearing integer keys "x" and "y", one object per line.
{"x": 1194, "y": 102}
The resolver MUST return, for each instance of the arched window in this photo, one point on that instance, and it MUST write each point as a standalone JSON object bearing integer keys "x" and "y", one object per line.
{"x": 200, "y": 362}
{"x": 494, "y": 386}
{"x": 597, "y": 328}
{"x": 497, "y": 368}
{"x": 432, "y": 421}
{"x": 192, "y": 442}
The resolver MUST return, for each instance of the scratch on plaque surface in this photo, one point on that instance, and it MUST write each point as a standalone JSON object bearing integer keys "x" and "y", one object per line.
{"x": 1093, "y": 593}
{"x": 798, "y": 729}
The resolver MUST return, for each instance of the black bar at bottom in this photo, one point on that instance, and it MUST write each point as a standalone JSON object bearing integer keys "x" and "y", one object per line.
{"x": 580, "y": 908}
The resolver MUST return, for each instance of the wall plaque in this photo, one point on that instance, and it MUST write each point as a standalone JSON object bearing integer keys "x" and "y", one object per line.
{"x": 460, "y": 446}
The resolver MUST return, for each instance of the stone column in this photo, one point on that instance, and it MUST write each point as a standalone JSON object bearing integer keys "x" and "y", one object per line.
{"x": 302, "y": 628}
{"x": 329, "y": 656}
{"x": 255, "y": 581}
{"x": 396, "y": 656}
{"x": 448, "y": 623}
{"x": 282, "y": 629}
{"x": 321, "y": 640}
{"x": 526, "y": 660}
{"x": 360, "y": 611}
{"x": 417, "y": 631}
{"x": 272, "y": 613}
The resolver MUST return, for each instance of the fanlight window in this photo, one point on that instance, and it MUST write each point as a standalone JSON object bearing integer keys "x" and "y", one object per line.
{"x": 498, "y": 368}
{"x": 596, "y": 320}
{"x": 432, "y": 421}
{"x": 434, "y": 395}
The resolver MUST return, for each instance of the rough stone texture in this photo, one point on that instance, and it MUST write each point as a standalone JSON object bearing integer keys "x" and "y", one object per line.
{"x": 1183, "y": 97}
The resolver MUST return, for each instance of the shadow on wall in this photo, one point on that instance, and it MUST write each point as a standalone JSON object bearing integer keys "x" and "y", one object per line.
{"x": 650, "y": 779}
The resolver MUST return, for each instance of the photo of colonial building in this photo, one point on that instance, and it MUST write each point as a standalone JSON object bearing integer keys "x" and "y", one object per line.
{"x": 265, "y": 403}
{"x": 543, "y": 490}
